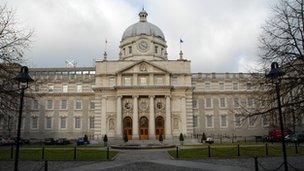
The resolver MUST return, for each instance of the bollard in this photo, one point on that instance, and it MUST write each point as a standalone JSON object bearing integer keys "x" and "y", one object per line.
{"x": 12, "y": 152}
{"x": 266, "y": 149}
{"x": 256, "y": 164}
{"x": 108, "y": 150}
{"x": 75, "y": 153}
{"x": 209, "y": 151}
{"x": 177, "y": 152}
{"x": 296, "y": 148}
{"x": 42, "y": 153}
{"x": 238, "y": 150}
{"x": 45, "y": 165}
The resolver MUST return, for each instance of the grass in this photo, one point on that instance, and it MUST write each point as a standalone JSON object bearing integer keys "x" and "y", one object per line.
{"x": 62, "y": 154}
{"x": 231, "y": 151}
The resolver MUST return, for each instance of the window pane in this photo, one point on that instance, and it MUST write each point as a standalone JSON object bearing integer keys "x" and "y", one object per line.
{"x": 223, "y": 120}
{"x": 63, "y": 122}
{"x": 48, "y": 122}
{"x": 91, "y": 122}
{"x": 65, "y": 88}
{"x": 77, "y": 122}
{"x": 63, "y": 104}
{"x": 49, "y": 104}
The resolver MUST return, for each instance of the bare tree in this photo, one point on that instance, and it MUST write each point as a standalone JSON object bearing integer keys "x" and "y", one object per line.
{"x": 282, "y": 40}
{"x": 13, "y": 42}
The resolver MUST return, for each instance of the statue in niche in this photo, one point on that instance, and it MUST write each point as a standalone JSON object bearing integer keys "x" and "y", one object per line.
{"x": 111, "y": 124}
{"x": 175, "y": 123}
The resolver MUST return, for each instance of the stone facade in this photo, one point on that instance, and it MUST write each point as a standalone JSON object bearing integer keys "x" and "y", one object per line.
{"x": 141, "y": 95}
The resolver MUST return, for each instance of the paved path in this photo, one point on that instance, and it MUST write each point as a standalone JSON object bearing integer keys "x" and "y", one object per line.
{"x": 151, "y": 160}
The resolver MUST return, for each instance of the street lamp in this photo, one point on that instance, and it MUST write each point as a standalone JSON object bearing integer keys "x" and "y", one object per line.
{"x": 275, "y": 74}
{"x": 23, "y": 79}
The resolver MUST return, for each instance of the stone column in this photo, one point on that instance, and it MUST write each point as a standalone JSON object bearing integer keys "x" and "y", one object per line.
{"x": 184, "y": 116}
{"x": 135, "y": 118}
{"x": 168, "y": 131}
{"x": 118, "y": 117}
{"x": 151, "y": 119}
{"x": 103, "y": 116}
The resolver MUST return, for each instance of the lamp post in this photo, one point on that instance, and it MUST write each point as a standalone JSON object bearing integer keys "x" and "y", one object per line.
{"x": 275, "y": 74}
{"x": 23, "y": 79}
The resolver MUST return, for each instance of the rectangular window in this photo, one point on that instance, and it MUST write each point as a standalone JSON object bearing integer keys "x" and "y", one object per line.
{"x": 222, "y": 102}
{"x": 51, "y": 89}
{"x": 209, "y": 121}
{"x": 237, "y": 120}
{"x": 265, "y": 120}
{"x": 48, "y": 123}
{"x": 224, "y": 121}
{"x": 35, "y": 105}
{"x": 63, "y": 122}
{"x": 78, "y": 104}
{"x": 49, "y": 104}
{"x": 111, "y": 82}
{"x": 174, "y": 81}
{"x": 79, "y": 88}
{"x": 235, "y": 86}
{"x": 248, "y": 86}
{"x": 65, "y": 88}
{"x": 92, "y": 105}
{"x": 159, "y": 81}
{"x": 236, "y": 102}
{"x": 127, "y": 81}
{"x": 252, "y": 121}
{"x": 156, "y": 49}
{"x": 91, "y": 122}
{"x": 130, "y": 49}
{"x": 250, "y": 102}
{"x": 77, "y": 122}
{"x": 63, "y": 105}
{"x": 194, "y": 104}
{"x": 208, "y": 103}
{"x": 34, "y": 124}
{"x": 194, "y": 121}
{"x": 207, "y": 86}
{"x": 221, "y": 86}
{"x": 143, "y": 80}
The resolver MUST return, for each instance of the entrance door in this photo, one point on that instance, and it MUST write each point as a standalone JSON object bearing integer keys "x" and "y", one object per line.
{"x": 127, "y": 126}
{"x": 159, "y": 127}
{"x": 143, "y": 128}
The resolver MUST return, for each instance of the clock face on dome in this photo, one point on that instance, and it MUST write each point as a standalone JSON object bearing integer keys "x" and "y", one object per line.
{"x": 143, "y": 46}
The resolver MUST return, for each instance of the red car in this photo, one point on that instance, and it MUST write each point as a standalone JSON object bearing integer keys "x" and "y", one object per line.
{"x": 275, "y": 135}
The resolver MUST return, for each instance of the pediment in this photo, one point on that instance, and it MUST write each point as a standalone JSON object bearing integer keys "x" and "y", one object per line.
{"x": 142, "y": 67}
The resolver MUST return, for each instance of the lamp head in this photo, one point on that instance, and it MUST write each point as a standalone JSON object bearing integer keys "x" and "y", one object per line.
{"x": 23, "y": 77}
{"x": 275, "y": 72}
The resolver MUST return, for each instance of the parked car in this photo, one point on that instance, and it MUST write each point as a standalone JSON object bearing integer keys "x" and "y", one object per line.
{"x": 22, "y": 141}
{"x": 81, "y": 141}
{"x": 49, "y": 141}
{"x": 275, "y": 135}
{"x": 63, "y": 141}
{"x": 209, "y": 140}
{"x": 295, "y": 138}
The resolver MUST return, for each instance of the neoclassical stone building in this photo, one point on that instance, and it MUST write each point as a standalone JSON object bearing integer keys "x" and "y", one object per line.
{"x": 142, "y": 94}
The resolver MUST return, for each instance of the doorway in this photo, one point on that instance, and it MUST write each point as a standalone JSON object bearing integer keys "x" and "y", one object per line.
{"x": 143, "y": 128}
{"x": 159, "y": 127}
{"x": 127, "y": 127}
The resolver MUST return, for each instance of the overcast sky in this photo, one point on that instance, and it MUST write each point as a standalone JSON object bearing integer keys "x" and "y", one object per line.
{"x": 219, "y": 35}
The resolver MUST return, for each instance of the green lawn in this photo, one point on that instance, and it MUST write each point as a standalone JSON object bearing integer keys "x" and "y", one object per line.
{"x": 58, "y": 154}
{"x": 231, "y": 151}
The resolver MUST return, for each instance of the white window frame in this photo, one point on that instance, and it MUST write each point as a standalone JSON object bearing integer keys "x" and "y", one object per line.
{"x": 66, "y": 106}
{"x": 196, "y": 121}
{"x": 159, "y": 80}
{"x": 127, "y": 81}
{"x": 81, "y": 105}
{"x": 66, "y": 122}
{"x": 65, "y": 88}
{"x": 78, "y": 88}
{"x": 211, "y": 103}
{"x": 212, "y": 121}
{"x": 89, "y": 122}
{"x": 31, "y": 123}
{"x": 112, "y": 81}
{"x": 220, "y": 103}
{"x": 45, "y": 123}
{"x": 80, "y": 123}
{"x": 208, "y": 87}
{"x": 235, "y": 88}
{"x": 51, "y": 89}
{"x": 226, "y": 121}
{"x": 34, "y": 104}
{"x": 174, "y": 80}
{"x": 47, "y": 106}
{"x": 141, "y": 82}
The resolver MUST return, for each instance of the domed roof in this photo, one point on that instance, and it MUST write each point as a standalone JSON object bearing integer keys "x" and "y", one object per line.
{"x": 143, "y": 27}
